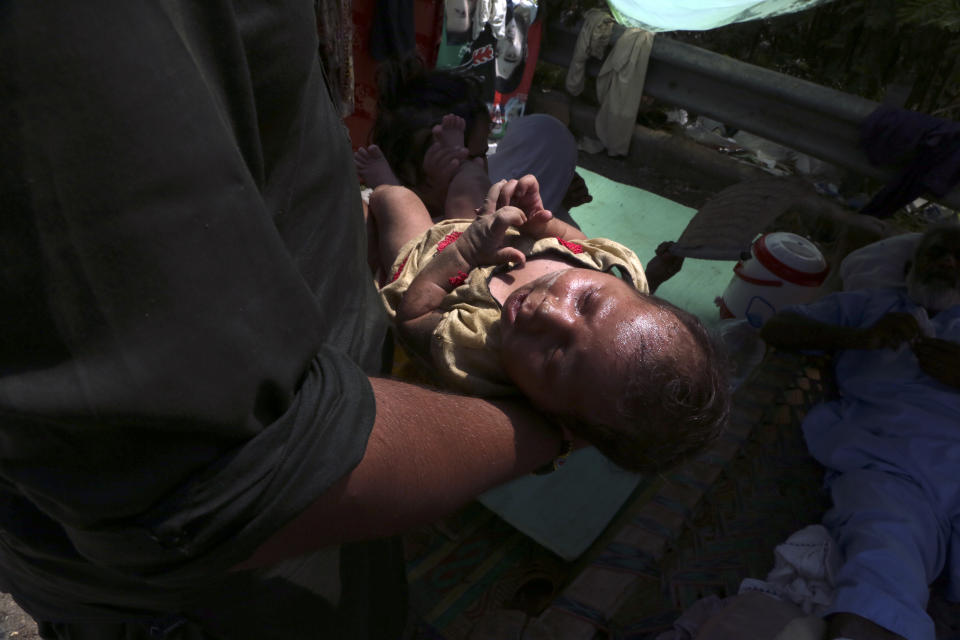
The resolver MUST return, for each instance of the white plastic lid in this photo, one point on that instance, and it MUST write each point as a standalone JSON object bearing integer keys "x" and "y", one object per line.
{"x": 793, "y": 251}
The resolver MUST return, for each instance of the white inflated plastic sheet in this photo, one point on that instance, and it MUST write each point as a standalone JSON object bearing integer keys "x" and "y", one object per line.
{"x": 700, "y": 15}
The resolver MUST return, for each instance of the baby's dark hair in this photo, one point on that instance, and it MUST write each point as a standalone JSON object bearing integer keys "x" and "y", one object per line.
{"x": 676, "y": 399}
{"x": 412, "y": 100}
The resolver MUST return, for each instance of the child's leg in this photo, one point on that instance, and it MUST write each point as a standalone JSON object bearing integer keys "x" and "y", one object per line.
{"x": 400, "y": 216}
{"x": 467, "y": 191}
{"x": 465, "y": 185}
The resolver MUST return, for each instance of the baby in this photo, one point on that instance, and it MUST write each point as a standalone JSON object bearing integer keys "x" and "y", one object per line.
{"x": 518, "y": 300}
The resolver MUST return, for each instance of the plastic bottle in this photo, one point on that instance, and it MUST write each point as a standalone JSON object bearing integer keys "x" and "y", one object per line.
{"x": 496, "y": 121}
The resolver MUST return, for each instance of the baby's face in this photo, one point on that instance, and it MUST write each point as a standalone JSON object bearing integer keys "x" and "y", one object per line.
{"x": 566, "y": 336}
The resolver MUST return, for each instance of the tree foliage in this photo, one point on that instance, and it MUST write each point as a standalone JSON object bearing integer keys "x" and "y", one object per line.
{"x": 907, "y": 51}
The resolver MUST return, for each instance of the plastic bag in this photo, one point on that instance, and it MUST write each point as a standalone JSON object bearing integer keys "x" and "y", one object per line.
{"x": 700, "y": 15}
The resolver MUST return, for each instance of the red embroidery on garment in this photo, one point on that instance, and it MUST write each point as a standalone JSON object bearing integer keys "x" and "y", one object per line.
{"x": 572, "y": 246}
{"x": 400, "y": 269}
{"x": 458, "y": 279}
{"x": 446, "y": 242}
{"x": 481, "y": 55}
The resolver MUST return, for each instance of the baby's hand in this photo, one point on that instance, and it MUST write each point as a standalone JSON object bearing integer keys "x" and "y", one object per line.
{"x": 523, "y": 194}
{"x": 482, "y": 243}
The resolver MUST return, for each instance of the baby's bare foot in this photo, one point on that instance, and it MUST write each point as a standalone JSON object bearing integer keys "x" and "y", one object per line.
{"x": 451, "y": 132}
{"x": 373, "y": 168}
{"x": 441, "y": 163}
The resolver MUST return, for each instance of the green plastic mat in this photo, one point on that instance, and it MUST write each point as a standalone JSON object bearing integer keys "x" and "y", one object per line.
{"x": 642, "y": 220}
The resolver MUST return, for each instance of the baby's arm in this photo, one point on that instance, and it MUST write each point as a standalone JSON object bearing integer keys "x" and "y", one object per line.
{"x": 481, "y": 244}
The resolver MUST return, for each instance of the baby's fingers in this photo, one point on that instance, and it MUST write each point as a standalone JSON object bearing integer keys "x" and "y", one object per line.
{"x": 507, "y": 193}
{"x": 508, "y": 217}
{"x": 540, "y": 216}
{"x": 492, "y": 199}
{"x": 510, "y": 254}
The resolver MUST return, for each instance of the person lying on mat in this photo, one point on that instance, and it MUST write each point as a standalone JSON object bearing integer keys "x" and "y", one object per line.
{"x": 517, "y": 300}
{"x": 891, "y": 441}
{"x": 414, "y": 102}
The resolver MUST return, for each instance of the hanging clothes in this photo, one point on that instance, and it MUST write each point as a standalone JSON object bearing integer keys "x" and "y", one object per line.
{"x": 392, "y": 31}
{"x": 335, "y": 26}
{"x": 591, "y": 43}
{"x": 493, "y": 13}
{"x": 888, "y": 135}
{"x": 503, "y": 51}
{"x": 619, "y": 89}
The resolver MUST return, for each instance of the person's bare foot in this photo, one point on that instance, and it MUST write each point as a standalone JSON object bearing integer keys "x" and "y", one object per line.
{"x": 663, "y": 266}
{"x": 444, "y": 157}
{"x": 451, "y": 132}
{"x": 373, "y": 168}
{"x": 850, "y": 625}
{"x": 577, "y": 193}
{"x": 447, "y": 153}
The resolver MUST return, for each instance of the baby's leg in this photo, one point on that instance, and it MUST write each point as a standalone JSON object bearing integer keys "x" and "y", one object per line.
{"x": 467, "y": 190}
{"x": 400, "y": 216}
{"x": 467, "y": 183}
{"x": 444, "y": 157}
{"x": 373, "y": 168}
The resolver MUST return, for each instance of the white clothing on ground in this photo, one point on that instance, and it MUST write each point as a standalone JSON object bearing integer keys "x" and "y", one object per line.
{"x": 804, "y": 570}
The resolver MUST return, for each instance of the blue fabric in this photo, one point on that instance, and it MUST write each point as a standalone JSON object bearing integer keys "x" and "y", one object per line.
{"x": 892, "y": 445}
{"x": 889, "y": 136}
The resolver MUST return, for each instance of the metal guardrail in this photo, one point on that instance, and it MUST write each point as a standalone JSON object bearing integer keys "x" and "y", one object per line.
{"x": 798, "y": 114}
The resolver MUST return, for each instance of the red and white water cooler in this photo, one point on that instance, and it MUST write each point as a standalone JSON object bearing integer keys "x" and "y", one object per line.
{"x": 782, "y": 269}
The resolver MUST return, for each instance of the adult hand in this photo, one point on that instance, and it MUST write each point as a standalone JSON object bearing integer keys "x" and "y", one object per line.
{"x": 939, "y": 359}
{"x": 889, "y": 332}
{"x": 482, "y": 243}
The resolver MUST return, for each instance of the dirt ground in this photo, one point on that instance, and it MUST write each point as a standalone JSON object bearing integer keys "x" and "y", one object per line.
{"x": 14, "y": 623}
{"x": 624, "y": 172}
